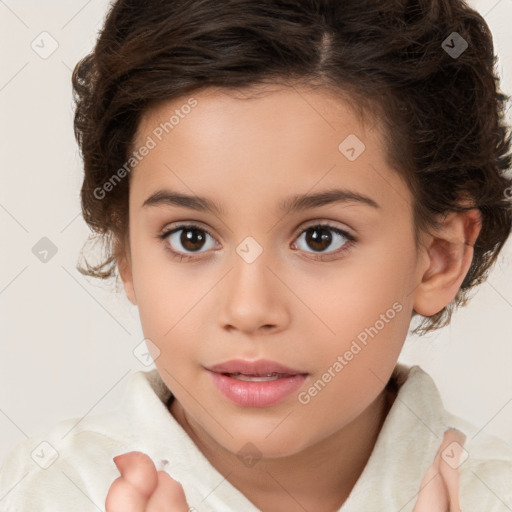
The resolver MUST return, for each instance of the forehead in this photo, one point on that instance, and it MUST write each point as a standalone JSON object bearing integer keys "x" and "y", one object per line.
{"x": 279, "y": 138}
{"x": 264, "y": 104}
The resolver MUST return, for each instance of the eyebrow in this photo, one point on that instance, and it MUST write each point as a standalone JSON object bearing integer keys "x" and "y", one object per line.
{"x": 290, "y": 204}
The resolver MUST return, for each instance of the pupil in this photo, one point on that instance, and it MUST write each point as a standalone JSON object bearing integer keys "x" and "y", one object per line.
{"x": 190, "y": 237}
{"x": 317, "y": 241}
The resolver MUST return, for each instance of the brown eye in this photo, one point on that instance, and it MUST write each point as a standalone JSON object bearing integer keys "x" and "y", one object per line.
{"x": 192, "y": 239}
{"x": 321, "y": 237}
{"x": 187, "y": 239}
{"x": 318, "y": 239}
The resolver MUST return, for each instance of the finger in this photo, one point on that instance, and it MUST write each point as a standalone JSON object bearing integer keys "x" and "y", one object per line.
{"x": 168, "y": 497}
{"x": 138, "y": 470}
{"x": 123, "y": 497}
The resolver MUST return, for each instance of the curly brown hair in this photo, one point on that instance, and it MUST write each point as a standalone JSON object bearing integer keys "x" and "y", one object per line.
{"x": 443, "y": 113}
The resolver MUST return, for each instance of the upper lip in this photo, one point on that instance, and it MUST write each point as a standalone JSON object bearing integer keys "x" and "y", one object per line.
{"x": 259, "y": 367}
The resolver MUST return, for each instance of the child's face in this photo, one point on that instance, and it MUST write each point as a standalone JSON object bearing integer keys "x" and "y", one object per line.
{"x": 339, "y": 316}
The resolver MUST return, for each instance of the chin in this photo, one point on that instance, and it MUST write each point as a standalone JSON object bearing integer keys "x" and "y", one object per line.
{"x": 272, "y": 447}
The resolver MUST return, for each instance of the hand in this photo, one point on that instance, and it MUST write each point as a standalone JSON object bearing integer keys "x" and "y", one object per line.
{"x": 141, "y": 488}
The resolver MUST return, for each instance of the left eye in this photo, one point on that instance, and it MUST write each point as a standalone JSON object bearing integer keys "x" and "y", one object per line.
{"x": 319, "y": 237}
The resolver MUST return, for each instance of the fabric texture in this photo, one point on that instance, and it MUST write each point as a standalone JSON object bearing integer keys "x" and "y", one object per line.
{"x": 425, "y": 459}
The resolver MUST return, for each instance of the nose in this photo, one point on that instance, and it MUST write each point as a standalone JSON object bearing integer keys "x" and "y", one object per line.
{"x": 254, "y": 299}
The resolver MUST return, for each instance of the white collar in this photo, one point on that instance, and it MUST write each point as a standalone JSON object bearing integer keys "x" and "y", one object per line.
{"x": 405, "y": 448}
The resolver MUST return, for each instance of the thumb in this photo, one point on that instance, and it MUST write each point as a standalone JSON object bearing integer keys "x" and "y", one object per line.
{"x": 169, "y": 495}
{"x": 138, "y": 470}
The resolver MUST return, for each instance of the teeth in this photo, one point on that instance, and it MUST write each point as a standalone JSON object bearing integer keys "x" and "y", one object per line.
{"x": 257, "y": 378}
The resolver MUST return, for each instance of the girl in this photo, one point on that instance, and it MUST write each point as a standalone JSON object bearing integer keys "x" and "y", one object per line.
{"x": 283, "y": 187}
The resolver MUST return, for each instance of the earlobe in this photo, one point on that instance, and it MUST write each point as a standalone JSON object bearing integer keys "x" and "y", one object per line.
{"x": 449, "y": 254}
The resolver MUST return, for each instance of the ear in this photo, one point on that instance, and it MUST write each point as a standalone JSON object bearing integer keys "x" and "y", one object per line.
{"x": 448, "y": 255}
{"x": 124, "y": 265}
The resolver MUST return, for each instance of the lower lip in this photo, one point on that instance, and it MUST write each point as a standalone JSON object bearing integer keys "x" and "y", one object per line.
{"x": 257, "y": 394}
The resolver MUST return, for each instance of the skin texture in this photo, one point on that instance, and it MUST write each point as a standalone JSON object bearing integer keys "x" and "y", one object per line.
{"x": 141, "y": 488}
{"x": 287, "y": 305}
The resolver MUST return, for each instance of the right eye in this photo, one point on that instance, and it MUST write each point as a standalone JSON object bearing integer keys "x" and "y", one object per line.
{"x": 191, "y": 237}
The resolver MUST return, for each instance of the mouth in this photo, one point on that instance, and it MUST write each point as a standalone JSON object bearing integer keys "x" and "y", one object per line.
{"x": 263, "y": 369}
{"x": 261, "y": 383}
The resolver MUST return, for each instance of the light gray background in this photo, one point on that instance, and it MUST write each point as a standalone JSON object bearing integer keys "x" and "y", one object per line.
{"x": 66, "y": 341}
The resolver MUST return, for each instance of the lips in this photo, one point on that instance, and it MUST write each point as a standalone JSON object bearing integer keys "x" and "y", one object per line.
{"x": 261, "y": 383}
{"x": 259, "y": 368}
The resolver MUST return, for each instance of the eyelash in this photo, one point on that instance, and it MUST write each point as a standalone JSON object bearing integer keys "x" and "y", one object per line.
{"x": 351, "y": 240}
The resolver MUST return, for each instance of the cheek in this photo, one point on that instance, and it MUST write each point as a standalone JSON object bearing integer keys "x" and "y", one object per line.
{"x": 366, "y": 312}
{"x": 169, "y": 300}
{"x": 161, "y": 296}
{"x": 355, "y": 297}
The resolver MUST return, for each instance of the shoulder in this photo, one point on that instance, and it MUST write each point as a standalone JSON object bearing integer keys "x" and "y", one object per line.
{"x": 68, "y": 466}
{"x": 485, "y": 469}
{"x": 485, "y": 465}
